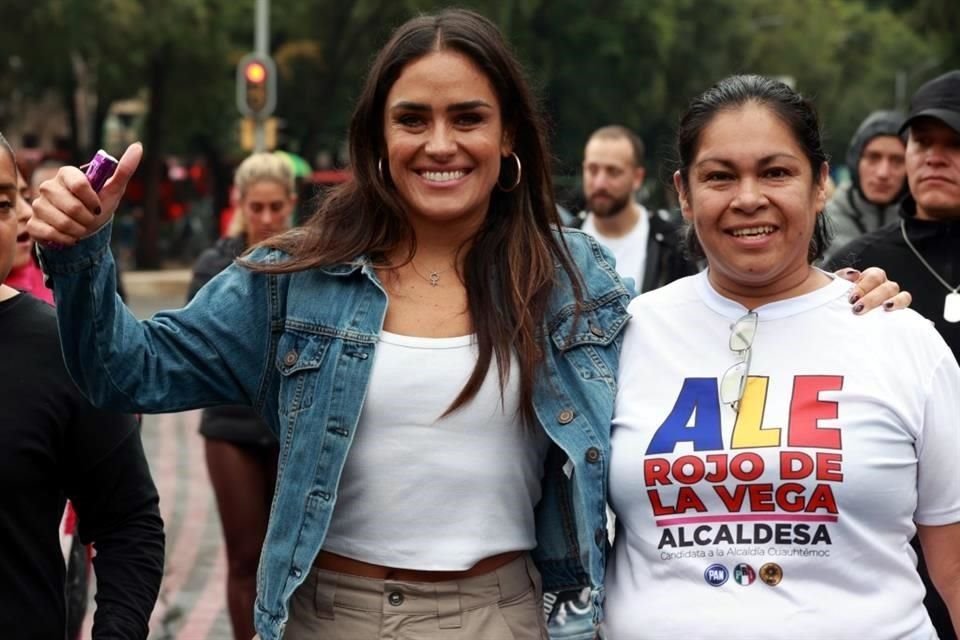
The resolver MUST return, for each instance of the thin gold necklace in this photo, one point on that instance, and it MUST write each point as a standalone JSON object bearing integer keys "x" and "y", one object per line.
{"x": 951, "y": 304}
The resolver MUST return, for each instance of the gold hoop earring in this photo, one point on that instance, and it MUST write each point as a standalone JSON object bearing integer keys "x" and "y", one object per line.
{"x": 519, "y": 175}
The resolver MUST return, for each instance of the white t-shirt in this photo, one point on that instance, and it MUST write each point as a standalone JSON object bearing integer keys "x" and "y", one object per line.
{"x": 629, "y": 250}
{"x": 794, "y": 522}
{"x": 421, "y": 491}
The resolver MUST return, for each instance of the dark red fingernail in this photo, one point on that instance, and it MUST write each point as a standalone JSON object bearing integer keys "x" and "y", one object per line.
{"x": 851, "y": 272}
{"x": 858, "y": 308}
{"x": 854, "y": 297}
{"x": 97, "y": 211}
{"x": 888, "y": 305}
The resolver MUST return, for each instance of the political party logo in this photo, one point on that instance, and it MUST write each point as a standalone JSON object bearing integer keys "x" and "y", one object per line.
{"x": 716, "y": 575}
{"x": 771, "y": 574}
{"x": 744, "y": 575}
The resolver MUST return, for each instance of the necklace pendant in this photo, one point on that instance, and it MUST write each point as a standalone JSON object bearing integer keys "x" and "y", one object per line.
{"x": 951, "y": 307}
{"x": 435, "y": 279}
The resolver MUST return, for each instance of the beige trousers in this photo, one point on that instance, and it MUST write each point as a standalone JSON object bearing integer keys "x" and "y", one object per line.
{"x": 505, "y": 604}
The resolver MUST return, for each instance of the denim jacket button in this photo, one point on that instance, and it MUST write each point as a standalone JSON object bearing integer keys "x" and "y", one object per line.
{"x": 395, "y": 598}
{"x": 593, "y": 454}
{"x": 291, "y": 358}
{"x": 565, "y": 416}
{"x": 595, "y": 330}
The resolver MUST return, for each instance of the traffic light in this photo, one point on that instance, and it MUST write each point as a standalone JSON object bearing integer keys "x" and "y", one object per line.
{"x": 248, "y": 133}
{"x": 256, "y": 86}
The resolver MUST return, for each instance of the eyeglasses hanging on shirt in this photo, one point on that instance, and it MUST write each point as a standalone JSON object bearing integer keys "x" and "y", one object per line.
{"x": 734, "y": 380}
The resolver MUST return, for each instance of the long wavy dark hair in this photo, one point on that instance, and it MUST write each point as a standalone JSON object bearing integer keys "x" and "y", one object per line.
{"x": 510, "y": 265}
{"x": 795, "y": 111}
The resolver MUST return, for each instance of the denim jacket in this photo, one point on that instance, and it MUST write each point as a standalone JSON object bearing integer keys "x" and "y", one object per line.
{"x": 299, "y": 348}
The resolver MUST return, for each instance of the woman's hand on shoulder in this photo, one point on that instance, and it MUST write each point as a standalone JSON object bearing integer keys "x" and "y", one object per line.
{"x": 68, "y": 209}
{"x": 873, "y": 289}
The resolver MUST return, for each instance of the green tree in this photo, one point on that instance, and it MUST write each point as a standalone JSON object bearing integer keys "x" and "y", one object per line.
{"x": 593, "y": 62}
{"x": 843, "y": 54}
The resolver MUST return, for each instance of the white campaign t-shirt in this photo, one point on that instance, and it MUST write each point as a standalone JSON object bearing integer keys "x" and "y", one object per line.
{"x": 630, "y": 250}
{"x": 792, "y": 519}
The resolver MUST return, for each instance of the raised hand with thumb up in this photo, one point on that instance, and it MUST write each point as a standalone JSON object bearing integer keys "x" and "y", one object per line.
{"x": 68, "y": 209}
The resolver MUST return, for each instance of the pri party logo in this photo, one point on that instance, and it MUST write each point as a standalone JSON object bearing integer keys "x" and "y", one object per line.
{"x": 744, "y": 575}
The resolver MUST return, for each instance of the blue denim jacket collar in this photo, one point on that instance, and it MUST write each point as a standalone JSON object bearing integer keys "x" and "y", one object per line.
{"x": 360, "y": 262}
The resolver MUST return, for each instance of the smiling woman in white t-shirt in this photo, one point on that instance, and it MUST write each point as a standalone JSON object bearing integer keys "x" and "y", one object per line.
{"x": 774, "y": 457}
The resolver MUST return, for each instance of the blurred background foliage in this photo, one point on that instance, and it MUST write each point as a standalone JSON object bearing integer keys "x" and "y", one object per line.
{"x": 593, "y": 62}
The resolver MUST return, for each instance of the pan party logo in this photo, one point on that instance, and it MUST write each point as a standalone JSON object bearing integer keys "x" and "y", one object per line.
{"x": 716, "y": 575}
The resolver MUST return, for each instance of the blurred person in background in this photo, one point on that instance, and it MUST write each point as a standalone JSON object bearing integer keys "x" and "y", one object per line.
{"x": 878, "y": 180}
{"x": 55, "y": 446}
{"x": 645, "y": 243}
{"x": 241, "y": 451}
{"x": 922, "y": 245}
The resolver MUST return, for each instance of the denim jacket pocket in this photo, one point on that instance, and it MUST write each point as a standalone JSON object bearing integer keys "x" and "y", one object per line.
{"x": 299, "y": 357}
{"x": 584, "y": 341}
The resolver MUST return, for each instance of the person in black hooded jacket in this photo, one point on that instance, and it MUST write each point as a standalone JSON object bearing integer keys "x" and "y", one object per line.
{"x": 878, "y": 180}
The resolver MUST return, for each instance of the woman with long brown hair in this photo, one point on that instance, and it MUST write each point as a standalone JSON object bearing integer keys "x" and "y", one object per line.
{"x": 435, "y": 358}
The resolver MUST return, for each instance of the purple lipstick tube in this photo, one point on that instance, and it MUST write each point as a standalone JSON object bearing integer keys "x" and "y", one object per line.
{"x": 100, "y": 169}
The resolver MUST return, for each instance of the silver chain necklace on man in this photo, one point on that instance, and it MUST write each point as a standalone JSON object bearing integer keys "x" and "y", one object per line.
{"x": 951, "y": 304}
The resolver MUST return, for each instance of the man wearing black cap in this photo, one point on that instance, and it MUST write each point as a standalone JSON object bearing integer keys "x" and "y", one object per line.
{"x": 922, "y": 249}
{"x": 878, "y": 180}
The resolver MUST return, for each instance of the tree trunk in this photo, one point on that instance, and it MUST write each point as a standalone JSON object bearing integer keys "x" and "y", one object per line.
{"x": 69, "y": 97}
{"x": 148, "y": 232}
{"x": 220, "y": 181}
{"x": 100, "y": 120}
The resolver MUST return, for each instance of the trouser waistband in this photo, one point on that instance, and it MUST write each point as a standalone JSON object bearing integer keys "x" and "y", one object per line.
{"x": 445, "y": 599}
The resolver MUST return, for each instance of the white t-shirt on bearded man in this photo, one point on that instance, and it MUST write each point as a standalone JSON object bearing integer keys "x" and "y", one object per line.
{"x": 794, "y": 522}
{"x": 630, "y": 250}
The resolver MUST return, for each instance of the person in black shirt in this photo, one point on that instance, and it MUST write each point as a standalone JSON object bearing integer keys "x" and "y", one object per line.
{"x": 922, "y": 248}
{"x": 54, "y": 445}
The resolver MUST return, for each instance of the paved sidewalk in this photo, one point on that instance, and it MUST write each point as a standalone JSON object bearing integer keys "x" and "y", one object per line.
{"x": 152, "y": 284}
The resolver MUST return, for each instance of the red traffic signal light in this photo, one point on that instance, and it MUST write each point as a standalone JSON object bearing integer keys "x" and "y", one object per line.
{"x": 256, "y": 86}
{"x": 255, "y": 72}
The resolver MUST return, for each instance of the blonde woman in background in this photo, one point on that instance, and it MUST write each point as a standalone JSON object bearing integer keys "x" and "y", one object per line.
{"x": 241, "y": 451}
